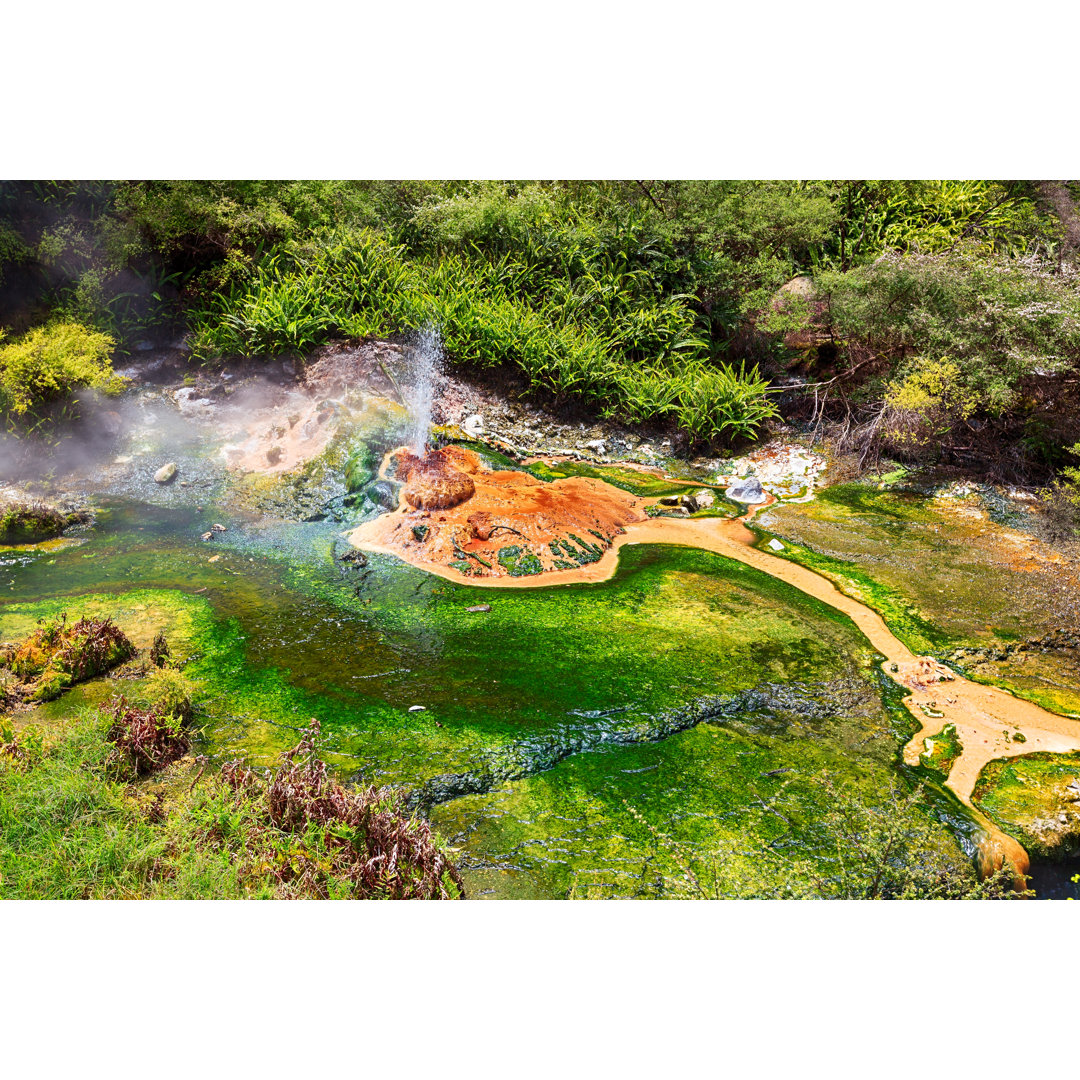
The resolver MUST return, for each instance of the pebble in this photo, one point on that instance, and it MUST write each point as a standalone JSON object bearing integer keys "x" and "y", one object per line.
{"x": 479, "y": 607}
{"x": 165, "y": 473}
{"x": 417, "y": 708}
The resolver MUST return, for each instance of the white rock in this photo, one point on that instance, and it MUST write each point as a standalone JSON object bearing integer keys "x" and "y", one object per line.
{"x": 775, "y": 545}
{"x": 474, "y": 425}
{"x": 417, "y": 708}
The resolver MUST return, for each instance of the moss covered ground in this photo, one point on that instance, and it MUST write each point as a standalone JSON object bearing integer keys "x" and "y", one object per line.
{"x": 1035, "y": 798}
{"x": 545, "y": 676}
{"x": 943, "y": 575}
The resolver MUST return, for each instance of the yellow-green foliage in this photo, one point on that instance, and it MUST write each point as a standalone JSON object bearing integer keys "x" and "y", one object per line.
{"x": 50, "y": 362}
{"x": 928, "y": 400}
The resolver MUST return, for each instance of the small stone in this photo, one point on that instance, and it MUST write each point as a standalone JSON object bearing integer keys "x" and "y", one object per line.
{"x": 217, "y": 528}
{"x": 775, "y": 545}
{"x": 207, "y": 536}
{"x": 473, "y": 425}
{"x": 747, "y": 491}
{"x": 417, "y": 708}
{"x": 165, "y": 473}
{"x": 479, "y": 607}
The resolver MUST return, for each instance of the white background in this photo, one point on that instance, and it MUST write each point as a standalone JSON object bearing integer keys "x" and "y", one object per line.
{"x": 551, "y": 90}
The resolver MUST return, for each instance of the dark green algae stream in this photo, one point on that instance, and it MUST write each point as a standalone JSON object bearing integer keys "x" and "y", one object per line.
{"x": 689, "y": 687}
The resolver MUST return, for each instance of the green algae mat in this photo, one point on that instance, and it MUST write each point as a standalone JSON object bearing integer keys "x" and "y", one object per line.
{"x": 684, "y": 679}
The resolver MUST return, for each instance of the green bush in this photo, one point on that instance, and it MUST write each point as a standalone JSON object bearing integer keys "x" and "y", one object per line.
{"x": 959, "y": 333}
{"x": 50, "y": 363}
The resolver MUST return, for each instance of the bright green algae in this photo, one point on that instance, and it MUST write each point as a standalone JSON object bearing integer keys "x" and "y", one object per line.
{"x": 582, "y": 828}
{"x": 283, "y": 633}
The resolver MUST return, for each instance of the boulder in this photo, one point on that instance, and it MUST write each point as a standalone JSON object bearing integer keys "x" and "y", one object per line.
{"x": 747, "y": 491}
{"x": 166, "y": 473}
{"x": 385, "y": 493}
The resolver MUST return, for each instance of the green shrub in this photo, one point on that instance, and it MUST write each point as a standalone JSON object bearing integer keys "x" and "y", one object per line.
{"x": 958, "y": 335}
{"x": 50, "y": 363}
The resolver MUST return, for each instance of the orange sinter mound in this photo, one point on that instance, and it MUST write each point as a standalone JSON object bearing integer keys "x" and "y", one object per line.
{"x": 432, "y": 482}
{"x": 459, "y": 518}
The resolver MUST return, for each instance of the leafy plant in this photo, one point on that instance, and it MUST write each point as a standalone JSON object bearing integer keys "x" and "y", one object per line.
{"x": 52, "y": 362}
{"x": 145, "y": 739}
{"x": 311, "y": 832}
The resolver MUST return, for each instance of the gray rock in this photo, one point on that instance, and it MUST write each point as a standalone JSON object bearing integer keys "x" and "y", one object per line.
{"x": 775, "y": 544}
{"x": 189, "y": 403}
{"x": 166, "y": 473}
{"x": 473, "y": 425}
{"x": 110, "y": 423}
{"x": 746, "y": 491}
{"x": 598, "y": 446}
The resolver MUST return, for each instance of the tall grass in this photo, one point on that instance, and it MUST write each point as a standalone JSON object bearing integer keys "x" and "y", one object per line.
{"x": 601, "y": 335}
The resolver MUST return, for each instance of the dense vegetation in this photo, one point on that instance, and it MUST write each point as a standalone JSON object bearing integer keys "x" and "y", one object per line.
{"x": 938, "y": 320}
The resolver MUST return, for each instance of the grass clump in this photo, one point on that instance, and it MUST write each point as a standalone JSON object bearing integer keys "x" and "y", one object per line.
{"x": 78, "y": 820}
{"x": 56, "y": 656}
{"x": 145, "y": 739}
{"x": 314, "y": 837}
{"x": 28, "y": 523}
